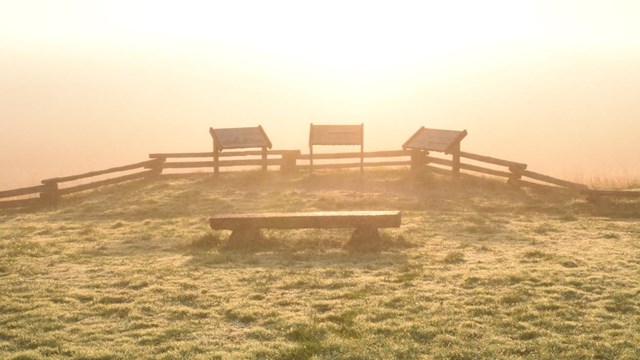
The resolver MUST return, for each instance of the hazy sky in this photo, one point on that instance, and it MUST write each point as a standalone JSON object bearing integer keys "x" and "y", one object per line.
{"x": 90, "y": 84}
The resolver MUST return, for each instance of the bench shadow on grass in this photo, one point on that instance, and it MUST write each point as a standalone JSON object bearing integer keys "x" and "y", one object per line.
{"x": 309, "y": 248}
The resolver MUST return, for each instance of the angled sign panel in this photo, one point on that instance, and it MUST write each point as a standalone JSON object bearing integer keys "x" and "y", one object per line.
{"x": 238, "y": 138}
{"x": 435, "y": 140}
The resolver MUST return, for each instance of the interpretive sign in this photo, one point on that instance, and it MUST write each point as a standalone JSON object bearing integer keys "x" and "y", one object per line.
{"x": 435, "y": 140}
{"x": 425, "y": 140}
{"x": 336, "y": 134}
{"x": 239, "y": 138}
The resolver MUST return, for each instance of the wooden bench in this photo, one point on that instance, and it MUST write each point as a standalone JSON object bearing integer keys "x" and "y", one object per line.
{"x": 246, "y": 227}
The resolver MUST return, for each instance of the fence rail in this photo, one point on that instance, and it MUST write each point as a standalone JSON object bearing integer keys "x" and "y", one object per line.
{"x": 50, "y": 191}
{"x": 221, "y": 163}
{"x": 554, "y": 181}
{"x": 22, "y": 191}
{"x": 290, "y": 160}
{"x": 355, "y": 155}
{"x": 101, "y": 183}
{"x": 285, "y": 159}
{"x": 222, "y": 154}
{"x": 356, "y": 165}
{"x": 494, "y": 161}
{"x": 513, "y": 171}
{"x": 20, "y": 203}
{"x": 143, "y": 164}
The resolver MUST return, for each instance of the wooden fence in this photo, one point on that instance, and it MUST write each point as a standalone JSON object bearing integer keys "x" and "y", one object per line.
{"x": 514, "y": 172}
{"x": 49, "y": 192}
{"x": 286, "y": 159}
{"x": 39, "y": 189}
{"x": 383, "y": 159}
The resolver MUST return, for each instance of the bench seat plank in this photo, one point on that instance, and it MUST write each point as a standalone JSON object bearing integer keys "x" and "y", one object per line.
{"x": 307, "y": 220}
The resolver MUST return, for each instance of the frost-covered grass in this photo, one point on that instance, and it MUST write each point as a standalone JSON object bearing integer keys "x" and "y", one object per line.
{"x": 477, "y": 270}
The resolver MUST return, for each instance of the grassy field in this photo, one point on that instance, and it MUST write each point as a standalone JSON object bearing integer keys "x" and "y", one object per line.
{"x": 477, "y": 270}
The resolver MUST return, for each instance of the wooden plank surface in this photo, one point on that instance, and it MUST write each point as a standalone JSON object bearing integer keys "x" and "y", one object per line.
{"x": 307, "y": 220}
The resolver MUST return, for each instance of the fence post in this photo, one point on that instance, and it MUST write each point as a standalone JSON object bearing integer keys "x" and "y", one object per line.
{"x": 418, "y": 162}
{"x": 289, "y": 163}
{"x": 264, "y": 158}
{"x": 311, "y": 158}
{"x": 516, "y": 175}
{"x": 49, "y": 194}
{"x": 157, "y": 167}
{"x": 216, "y": 166}
{"x": 455, "y": 167}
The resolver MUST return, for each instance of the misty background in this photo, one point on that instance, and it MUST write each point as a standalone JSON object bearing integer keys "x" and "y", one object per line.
{"x": 82, "y": 89}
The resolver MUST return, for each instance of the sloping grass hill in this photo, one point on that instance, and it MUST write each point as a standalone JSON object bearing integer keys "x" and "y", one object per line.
{"x": 477, "y": 270}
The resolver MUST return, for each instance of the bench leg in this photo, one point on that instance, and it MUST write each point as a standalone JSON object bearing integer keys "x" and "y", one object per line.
{"x": 246, "y": 235}
{"x": 365, "y": 234}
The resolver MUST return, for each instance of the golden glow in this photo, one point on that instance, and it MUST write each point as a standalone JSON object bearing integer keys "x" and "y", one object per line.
{"x": 342, "y": 36}
{"x": 549, "y": 83}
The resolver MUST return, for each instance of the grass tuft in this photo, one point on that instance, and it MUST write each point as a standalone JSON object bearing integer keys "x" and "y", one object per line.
{"x": 622, "y": 302}
{"x": 308, "y": 342}
{"x": 544, "y": 228}
{"x": 203, "y": 243}
{"x": 536, "y": 255}
{"x": 454, "y": 257}
{"x": 610, "y": 236}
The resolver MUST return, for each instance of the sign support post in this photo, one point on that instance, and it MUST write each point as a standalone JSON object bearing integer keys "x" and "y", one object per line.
{"x": 264, "y": 158}
{"x": 216, "y": 158}
{"x": 361, "y": 150}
